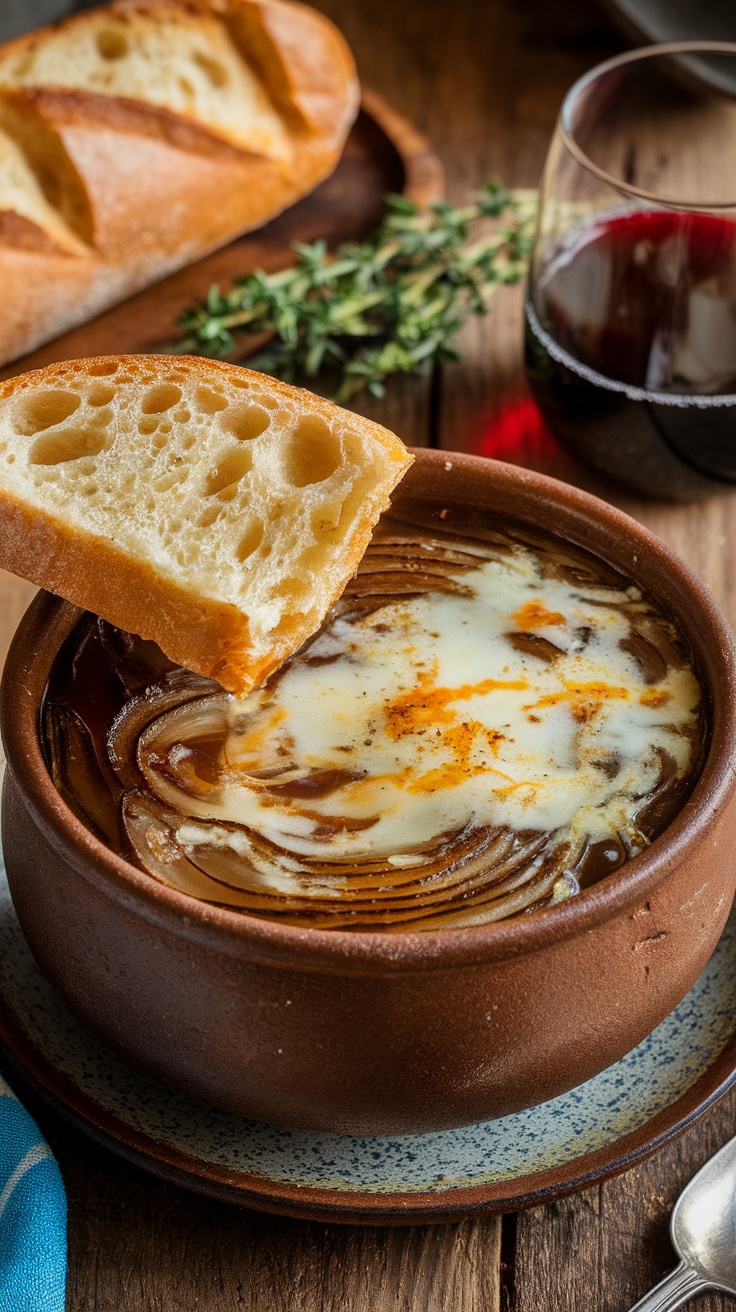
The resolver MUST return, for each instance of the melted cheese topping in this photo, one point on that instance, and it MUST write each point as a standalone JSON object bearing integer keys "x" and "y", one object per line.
{"x": 425, "y": 718}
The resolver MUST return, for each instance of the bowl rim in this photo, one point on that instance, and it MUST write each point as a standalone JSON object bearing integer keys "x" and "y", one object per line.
{"x": 49, "y": 620}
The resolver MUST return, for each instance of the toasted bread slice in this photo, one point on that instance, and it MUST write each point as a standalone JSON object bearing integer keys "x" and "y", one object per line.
{"x": 209, "y": 508}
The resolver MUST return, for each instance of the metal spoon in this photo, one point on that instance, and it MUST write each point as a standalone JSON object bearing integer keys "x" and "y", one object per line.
{"x": 703, "y": 1233}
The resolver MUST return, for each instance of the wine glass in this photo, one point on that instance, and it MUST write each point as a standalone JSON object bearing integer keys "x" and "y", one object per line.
{"x": 631, "y": 305}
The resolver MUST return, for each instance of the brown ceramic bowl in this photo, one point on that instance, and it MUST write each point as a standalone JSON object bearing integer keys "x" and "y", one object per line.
{"x": 371, "y": 1032}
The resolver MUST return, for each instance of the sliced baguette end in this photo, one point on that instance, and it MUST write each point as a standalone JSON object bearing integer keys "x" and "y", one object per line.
{"x": 214, "y": 510}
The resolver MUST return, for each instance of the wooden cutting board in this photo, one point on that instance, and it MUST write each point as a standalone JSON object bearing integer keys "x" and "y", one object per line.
{"x": 383, "y": 154}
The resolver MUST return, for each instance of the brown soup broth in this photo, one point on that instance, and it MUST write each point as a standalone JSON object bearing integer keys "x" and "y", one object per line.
{"x": 489, "y": 721}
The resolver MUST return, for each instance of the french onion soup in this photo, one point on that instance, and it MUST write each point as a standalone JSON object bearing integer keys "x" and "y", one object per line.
{"x": 489, "y": 720}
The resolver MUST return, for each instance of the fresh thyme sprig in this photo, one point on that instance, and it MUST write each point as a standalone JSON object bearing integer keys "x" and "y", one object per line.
{"x": 388, "y": 305}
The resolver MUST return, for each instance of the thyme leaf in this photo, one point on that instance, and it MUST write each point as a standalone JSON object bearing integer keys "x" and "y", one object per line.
{"x": 388, "y": 305}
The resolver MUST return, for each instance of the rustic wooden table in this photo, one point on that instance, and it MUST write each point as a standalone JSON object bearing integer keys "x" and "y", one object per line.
{"x": 484, "y": 79}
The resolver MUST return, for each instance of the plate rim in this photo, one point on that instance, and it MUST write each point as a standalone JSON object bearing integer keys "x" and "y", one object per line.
{"x": 308, "y": 1202}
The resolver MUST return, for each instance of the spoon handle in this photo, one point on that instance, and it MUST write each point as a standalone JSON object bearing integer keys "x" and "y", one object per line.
{"x": 680, "y": 1285}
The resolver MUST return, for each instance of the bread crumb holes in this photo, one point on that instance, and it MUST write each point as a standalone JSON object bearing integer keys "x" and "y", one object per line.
{"x": 251, "y": 541}
{"x": 245, "y": 421}
{"x": 209, "y": 401}
{"x": 112, "y": 43}
{"x": 101, "y": 369}
{"x": 208, "y": 516}
{"x": 314, "y": 453}
{"x": 161, "y": 398}
{"x": 67, "y": 444}
{"x": 100, "y": 394}
{"x": 223, "y": 480}
{"x": 33, "y": 414}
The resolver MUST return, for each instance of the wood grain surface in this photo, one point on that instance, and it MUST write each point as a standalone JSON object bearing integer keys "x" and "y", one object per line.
{"x": 484, "y": 79}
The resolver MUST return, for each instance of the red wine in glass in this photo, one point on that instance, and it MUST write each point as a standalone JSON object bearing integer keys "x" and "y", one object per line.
{"x": 631, "y": 343}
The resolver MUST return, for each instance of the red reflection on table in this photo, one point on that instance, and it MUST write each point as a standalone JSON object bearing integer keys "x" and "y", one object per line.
{"x": 519, "y": 435}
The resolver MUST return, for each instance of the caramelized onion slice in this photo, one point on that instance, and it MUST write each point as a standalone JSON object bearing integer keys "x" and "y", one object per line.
{"x": 392, "y": 585}
{"x": 178, "y": 751}
{"x": 276, "y": 880}
{"x": 177, "y": 688}
{"x": 530, "y": 895}
{"x": 150, "y": 829}
{"x": 78, "y": 774}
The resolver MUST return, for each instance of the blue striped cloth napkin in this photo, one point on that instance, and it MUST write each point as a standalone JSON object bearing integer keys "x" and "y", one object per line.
{"x": 32, "y": 1215}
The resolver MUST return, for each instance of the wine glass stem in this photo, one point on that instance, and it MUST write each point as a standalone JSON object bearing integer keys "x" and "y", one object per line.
{"x": 677, "y": 1288}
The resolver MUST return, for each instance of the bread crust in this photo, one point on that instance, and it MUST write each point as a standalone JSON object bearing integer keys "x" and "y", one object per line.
{"x": 301, "y": 58}
{"x": 146, "y": 190}
{"x": 204, "y": 636}
{"x": 202, "y": 632}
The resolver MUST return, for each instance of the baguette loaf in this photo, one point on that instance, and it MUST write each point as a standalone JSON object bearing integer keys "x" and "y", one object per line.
{"x": 137, "y": 137}
{"x": 209, "y": 508}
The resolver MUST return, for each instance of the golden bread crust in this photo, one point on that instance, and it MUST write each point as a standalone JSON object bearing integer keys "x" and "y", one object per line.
{"x": 302, "y": 59}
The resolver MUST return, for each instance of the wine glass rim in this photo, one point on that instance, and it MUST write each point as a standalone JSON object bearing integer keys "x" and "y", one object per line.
{"x": 619, "y": 61}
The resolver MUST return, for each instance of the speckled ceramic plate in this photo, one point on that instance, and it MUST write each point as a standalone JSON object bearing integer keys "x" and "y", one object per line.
{"x": 597, "y": 1129}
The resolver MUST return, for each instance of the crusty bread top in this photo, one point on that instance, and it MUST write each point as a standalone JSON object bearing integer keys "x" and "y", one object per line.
{"x": 177, "y": 56}
{"x": 239, "y": 68}
{"x": 212, "y": 509}
{"x": 267, "y": 88}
